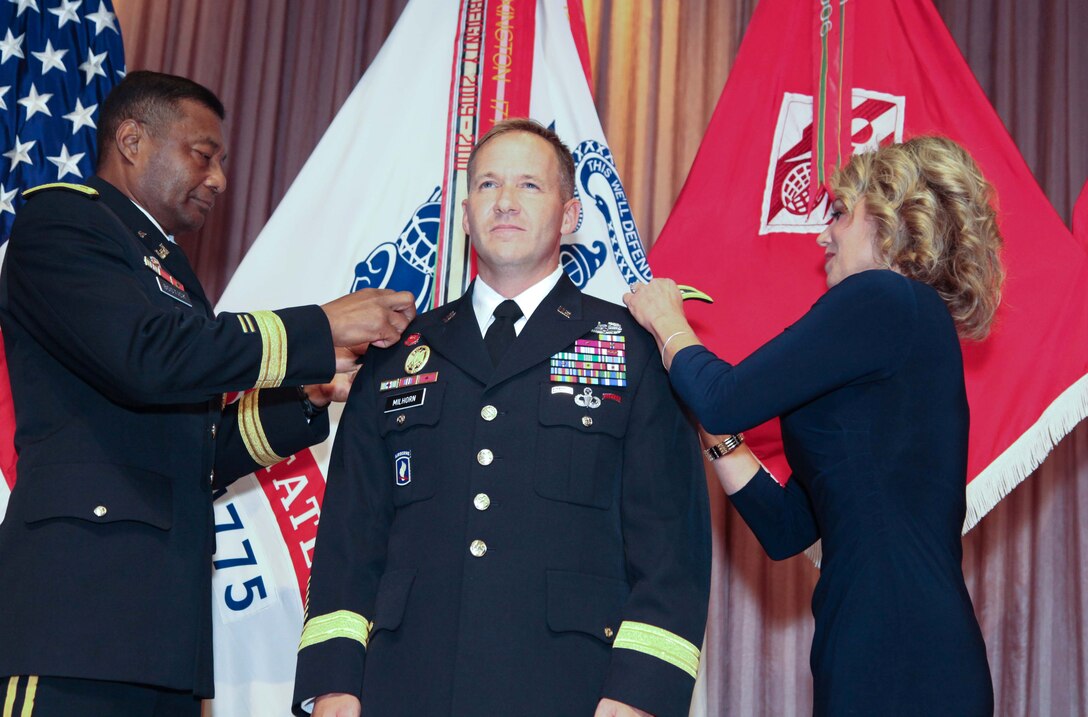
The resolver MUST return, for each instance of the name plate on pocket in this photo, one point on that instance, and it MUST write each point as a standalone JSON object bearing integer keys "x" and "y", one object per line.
{"x": 412, "y": 399}
{"x": 174, "y": 292}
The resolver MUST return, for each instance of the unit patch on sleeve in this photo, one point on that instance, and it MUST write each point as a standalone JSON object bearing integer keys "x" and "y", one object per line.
{"x": 402, "y": 467}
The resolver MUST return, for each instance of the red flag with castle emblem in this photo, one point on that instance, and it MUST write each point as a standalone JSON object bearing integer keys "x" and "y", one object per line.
{"x": 752, "y": 207}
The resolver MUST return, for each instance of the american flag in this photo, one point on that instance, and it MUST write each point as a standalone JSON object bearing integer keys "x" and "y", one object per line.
{"x": 58, "y": 61}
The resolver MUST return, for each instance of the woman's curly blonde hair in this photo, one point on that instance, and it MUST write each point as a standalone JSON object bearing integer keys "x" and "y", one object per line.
{"x": 935, "y": 222}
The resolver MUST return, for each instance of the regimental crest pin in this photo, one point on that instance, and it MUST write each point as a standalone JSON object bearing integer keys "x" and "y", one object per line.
{"x": 402, "y": 467}
{"x": 412, "y": 340}
{"x": 162, "y": 251}
{"x": 611, "y": 327}
{"x": 417, "y": 359}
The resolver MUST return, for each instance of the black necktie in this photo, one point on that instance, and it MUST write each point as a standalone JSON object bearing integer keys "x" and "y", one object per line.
{"x": 501, "y": 334}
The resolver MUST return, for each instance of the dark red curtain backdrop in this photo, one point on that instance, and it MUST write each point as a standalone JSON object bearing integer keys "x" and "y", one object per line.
{"x": 283, "y": 69}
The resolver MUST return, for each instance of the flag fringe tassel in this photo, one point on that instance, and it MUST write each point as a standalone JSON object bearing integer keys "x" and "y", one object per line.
{"x": 1027, "y": 452}
{"x": 1019, "y": 460}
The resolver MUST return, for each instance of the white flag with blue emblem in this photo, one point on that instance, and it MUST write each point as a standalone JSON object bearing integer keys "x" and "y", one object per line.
{"x": 57, "y": 64}
{"x": 378, "y": 205}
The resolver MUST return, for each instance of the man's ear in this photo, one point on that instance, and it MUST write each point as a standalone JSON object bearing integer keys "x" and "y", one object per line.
{"x": 127, "y": 139}
{"x": 571, "y": 209}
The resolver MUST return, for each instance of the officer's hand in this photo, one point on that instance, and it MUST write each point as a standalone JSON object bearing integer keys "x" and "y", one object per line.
{"x": 370, "y": 316}
{"x": 322, "y": 394}
{"x": 347, "y": 357}
{"x": 337, "y": 704}
{"x": 609, "y": 708}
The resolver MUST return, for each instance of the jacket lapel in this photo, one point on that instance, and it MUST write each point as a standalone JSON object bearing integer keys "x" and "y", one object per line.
{"x": 456, "y": 335}
{"x": 555, "y": 324}
{"x": 152, "y": 240}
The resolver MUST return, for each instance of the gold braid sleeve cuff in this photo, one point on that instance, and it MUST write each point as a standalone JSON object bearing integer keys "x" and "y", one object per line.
{"x": 659, "y": 643}
{"x": 342, "y": 623}
{"x": 253, "y": 435}
{"x": 273, "y": 346}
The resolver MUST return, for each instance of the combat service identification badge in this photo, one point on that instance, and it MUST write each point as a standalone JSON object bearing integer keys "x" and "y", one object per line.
{"x": 417, "y": 359}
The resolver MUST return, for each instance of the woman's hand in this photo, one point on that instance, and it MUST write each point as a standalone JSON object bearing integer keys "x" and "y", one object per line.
{"x": 659, "y": 308}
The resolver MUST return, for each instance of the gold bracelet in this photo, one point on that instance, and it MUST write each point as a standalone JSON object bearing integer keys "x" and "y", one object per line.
{"x": 725, "y": 447}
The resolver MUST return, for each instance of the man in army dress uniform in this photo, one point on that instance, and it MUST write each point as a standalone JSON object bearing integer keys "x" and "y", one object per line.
{"x": 118, "y": 369}
{"x": 515, "y": 521}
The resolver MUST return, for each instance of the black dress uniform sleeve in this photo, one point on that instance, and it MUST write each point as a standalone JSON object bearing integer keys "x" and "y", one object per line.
{"x": 855, "y": 333}
{"x": 246, "y": 445}
{"x": 356, "y": 513}
{"x": 72, "y": 266}
{"x": 666, "y": 534}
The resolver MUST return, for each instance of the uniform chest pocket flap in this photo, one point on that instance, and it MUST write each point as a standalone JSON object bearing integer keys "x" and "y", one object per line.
{"x": 579, "y": 446}
{"x": 98, "y": 493}
{"x": 407, "y": 424}
{"x": 406, "y": 408}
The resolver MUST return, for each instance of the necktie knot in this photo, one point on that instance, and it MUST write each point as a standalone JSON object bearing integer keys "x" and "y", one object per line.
{"x": 501, "y": 333}
{"x": 508, "y": 309}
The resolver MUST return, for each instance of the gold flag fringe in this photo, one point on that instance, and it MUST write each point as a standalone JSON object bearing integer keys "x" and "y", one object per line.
{"x": 1026, "y": 453}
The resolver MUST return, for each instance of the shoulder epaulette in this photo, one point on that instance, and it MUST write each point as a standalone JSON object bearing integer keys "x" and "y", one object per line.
{"x": 83, "y": 189}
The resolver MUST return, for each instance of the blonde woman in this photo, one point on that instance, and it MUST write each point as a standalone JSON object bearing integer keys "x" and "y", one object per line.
{"x": 869, "y": 388}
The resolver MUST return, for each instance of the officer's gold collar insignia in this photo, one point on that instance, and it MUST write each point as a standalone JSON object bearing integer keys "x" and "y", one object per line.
{"x": 564, "y": 311}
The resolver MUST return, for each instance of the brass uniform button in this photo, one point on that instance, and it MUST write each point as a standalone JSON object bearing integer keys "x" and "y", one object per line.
{"x": 211, "y": 477}
{"x": 215, "y": 430}
{"x": 485, "y": 457}
{"x": 101, "y": 510}
{"x": 608, "y": 633}
{"x": 400, "y": 420}
{"x": 587, "y": 421}
{"x": 482, "y": 501}
{"x": 488, "y": 413}
{"x": 477, "y": 548}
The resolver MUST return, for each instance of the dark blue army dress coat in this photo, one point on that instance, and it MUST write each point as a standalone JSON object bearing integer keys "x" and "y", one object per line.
{"x": 518, "y": 540}
{"x": 118, "y": 368}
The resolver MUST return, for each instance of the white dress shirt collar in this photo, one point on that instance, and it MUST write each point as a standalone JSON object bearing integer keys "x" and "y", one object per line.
{"x": 485, "y": 299}
{"x": 169, "y": 237}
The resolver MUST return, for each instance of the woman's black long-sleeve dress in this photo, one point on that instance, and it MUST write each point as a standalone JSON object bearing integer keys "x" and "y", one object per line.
{"x": 869, "y": 387}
